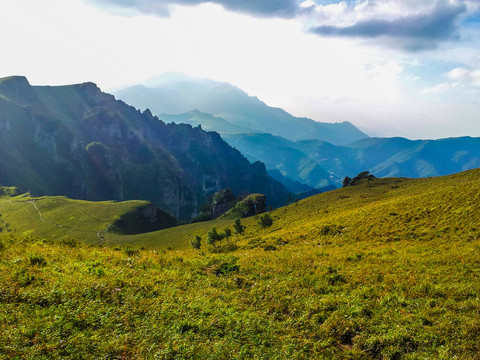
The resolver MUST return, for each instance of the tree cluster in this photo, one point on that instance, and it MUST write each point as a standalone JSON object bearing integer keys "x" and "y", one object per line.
{"x": 365, "y": 175}
{"x": 213, "y": 236}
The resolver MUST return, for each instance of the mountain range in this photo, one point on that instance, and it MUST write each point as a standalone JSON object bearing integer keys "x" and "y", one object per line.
{"x": 318, "y": 163}
{"x": 227, "y": 109}
{"x": 299, "y": 152}
{"x": 79, "y": 142}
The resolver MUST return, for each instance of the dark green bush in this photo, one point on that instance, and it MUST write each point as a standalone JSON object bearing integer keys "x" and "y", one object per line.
{"x": 196, "y": 242}
{"x": 131, "y": 251}
{"x": 227, "y": 268}
{"x": 331, "y": 230}
{"x": 265, "y": 220}
{"x": 239, "y": 228}
{"x": 37, "y": 260}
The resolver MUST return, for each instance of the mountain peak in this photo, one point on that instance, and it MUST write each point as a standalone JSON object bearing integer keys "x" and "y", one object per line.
{"x": 16, "y": 87}
{"x": 15, "y": 79}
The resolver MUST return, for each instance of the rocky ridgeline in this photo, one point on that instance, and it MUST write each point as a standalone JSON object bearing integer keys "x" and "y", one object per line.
{"x": 80, "y": 142}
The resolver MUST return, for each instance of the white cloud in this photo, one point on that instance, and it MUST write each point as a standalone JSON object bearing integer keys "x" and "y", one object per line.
{"x": 438, "y": 89}
{"x": 464, "y": 75}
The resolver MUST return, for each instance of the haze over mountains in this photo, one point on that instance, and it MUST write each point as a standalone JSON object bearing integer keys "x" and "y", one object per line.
{"x": 240, "y": 113}
{"x": 296, "y": 150}
{"x": 80, "y": 142}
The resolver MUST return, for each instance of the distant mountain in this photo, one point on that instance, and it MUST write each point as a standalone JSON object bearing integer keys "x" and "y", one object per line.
{"x": 314, "y": 162}
{"x": 238, "y": 112}
{"x": 421, "y": 158}
{"x": 80, "y": 142}
{"x": 206, "y": 121}
{"x": 283, "y": 155}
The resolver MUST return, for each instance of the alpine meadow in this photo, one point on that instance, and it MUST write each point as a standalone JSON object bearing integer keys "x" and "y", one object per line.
{"x": 217, "y": 179}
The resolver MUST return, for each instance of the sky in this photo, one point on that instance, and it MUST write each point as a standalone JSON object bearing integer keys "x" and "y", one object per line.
{"x": 391, "y": 67}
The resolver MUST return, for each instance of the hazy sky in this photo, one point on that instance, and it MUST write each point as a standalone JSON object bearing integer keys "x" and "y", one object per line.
{"x": 396, "y": 67}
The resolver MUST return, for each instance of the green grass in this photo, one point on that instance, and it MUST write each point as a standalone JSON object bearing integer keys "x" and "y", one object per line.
{"x": 62, "y": 217}
{"x": 388, "y": 269}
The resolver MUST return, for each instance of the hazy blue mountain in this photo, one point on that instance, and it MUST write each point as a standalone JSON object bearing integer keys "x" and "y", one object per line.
{"x": 432, "y": 158}
{"x": 80, "y": 142}
{"x": 207, "y": 122}
{"x": 281, "y": 154}
{"x": 180, "y": 94}
{"x": 310, "y": 161}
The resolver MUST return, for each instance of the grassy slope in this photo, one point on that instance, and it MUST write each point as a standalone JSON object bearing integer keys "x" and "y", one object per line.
{"x": 385, "y": 270}
{"x": 63, "y": 218}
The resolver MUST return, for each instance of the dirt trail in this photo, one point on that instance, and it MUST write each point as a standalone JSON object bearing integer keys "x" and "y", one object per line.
{"x": 98, "y": 233}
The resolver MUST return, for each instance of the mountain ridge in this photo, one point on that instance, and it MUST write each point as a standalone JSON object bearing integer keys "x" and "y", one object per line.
{"x": 232, "y": 104}
{"x": 78, "y": 141}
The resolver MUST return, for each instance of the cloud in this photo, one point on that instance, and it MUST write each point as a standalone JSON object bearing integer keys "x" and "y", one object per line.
{"x": 412, "y": 26}
{"x": 263, "y": 8}
{"x": 466, "y": 76}
{"x": 461, "y": 80}
{"x": 439, "y": 89}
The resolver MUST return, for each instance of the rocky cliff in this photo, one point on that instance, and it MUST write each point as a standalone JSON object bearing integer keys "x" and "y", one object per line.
{"x": 80, "y": 142}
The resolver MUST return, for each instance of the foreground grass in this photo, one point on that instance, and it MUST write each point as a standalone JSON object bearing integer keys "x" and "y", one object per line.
{"x": 401, "y": 300}
{"x": 386, "y": 270}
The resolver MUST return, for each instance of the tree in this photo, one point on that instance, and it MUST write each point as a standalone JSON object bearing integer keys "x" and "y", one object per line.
{"x": 226, "y": 233}
{"x": 364, "y": 175}
{"x": 237, "y": 225}
{"x": 265, "y": 220}
{"x": 346, "y": 182}
{"x": 196, "y": 242}
{"x": 213, "y": 236}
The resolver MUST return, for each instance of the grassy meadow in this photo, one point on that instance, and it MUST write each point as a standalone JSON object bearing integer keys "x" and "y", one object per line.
{"x": 388, "y": 269}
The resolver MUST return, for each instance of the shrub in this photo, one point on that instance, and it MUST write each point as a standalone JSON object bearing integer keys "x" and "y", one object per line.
{"x": 227, "y": 268}
{"x": 265, "y": 220}
{"x": 229, "y": 247}
{"x": 38, "y": 260}
{"x": 196, "y": 242}
{"x": 331, "y": 230}
{"x": 239, "y": 228}
{"x": 227, "y": 233}
{"x": 365, "y": 175}
{"x": 213, "y": 236}
{"x": 95, "y": 268}
{"x": 69, "y": 242}
{"x": 130, "y": 251}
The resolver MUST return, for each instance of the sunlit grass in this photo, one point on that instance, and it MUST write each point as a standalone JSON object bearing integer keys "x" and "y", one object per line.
{"x": 385, "y": 270}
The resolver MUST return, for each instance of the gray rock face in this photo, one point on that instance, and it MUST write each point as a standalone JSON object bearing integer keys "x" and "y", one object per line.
{"x": 222, "y": 202}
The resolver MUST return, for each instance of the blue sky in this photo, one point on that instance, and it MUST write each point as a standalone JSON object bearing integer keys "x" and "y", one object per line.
{"x": 393, "y": 67}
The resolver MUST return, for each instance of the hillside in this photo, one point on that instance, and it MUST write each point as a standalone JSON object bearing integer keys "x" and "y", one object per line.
{"x": 387, "y": 269}
{"x": 79, "y": 142}
{"x": 228, "y": 110}
{"x": 62, "y": 219}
